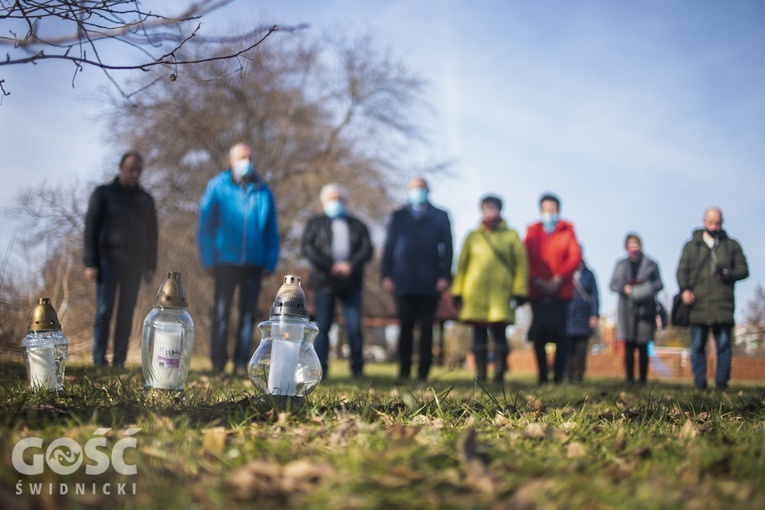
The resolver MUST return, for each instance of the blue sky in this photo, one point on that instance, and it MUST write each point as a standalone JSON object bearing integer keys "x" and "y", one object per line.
{"x": 637, "y": 114}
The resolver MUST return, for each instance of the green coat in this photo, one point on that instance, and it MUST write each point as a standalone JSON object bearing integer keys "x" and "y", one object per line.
{"x": 486, "y": 284}
{"x": 715, "y": 302}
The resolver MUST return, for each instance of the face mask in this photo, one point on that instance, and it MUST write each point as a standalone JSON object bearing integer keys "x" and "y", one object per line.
{"x": 242, "y": 168}
{"x": 418, "y": 196}
{"x": 549, "y": 221}
{"x": 633, "y": 252}
{"x": 714, "y": 234}
{"x": 334, "y": 208}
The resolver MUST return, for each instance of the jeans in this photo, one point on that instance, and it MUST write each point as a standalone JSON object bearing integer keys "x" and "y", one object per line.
{"x": 112, "y": 276}
{"x": 699, "y": 336}
{"x": 412, "y": 309}
{"x": 324, "y": 306}
{"x": 227, "y": 278}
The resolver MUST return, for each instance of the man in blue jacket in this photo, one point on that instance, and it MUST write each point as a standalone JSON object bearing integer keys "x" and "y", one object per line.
{"x": 416, "y": 267}
{"x": 238, "y": 241}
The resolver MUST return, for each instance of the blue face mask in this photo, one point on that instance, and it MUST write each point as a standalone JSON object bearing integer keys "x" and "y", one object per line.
{"x": 549, "y": 222}
{"x": 242, "y": 168}
{"x": 418, "y": 196}
{"x": 334, "y": 208}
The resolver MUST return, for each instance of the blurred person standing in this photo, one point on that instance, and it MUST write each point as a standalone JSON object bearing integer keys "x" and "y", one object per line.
{"x": 416, "y": 269}
{"x": 491, "y": 277}
{"x": 710, "y": 265}
{"x": 583, "y": 313}
{"x": 553, "y": 255}
{"x": 637, "y": 280}
{"x": 338, "y": 246}
{"x": 238, "y": 240}
{"x": 120, "y": 248}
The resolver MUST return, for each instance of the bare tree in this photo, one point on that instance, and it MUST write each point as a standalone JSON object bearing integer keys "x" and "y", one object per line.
{"x": 314, "y": 111}
{"x": 78, "y": 31}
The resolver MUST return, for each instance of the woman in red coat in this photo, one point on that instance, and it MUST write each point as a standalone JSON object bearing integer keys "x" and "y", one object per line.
{"x": 553, "y": 256}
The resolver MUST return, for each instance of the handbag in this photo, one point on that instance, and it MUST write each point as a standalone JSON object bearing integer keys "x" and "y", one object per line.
{"x": 681, "y": 313}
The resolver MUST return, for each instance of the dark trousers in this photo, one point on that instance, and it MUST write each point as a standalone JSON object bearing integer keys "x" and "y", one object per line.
{"x": 480, "y": 349}
{"x": 111, "y": 277}
{"x": 629, "y": 360}
{"x": 412, "y": 309}
{"x": 324, "y": 305}
{"x": 227, "y": 279}
{"x": 549, "y": 326}
{"x": 578, "y": 358}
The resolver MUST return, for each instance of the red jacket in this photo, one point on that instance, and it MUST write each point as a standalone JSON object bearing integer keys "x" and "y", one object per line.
{"x": 552, "y": 254}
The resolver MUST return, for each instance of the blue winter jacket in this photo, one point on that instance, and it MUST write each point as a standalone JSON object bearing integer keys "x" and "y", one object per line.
{"x": 237, "y": 224}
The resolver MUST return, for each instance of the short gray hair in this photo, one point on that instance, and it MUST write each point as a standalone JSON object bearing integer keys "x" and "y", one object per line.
{"x": 332, "y": 188}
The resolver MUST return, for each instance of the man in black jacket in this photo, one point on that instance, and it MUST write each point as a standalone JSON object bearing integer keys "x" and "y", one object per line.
{"x": 709, "y": 268}
{"x": 120, "y": 247}
{"x": 337, "y": 245}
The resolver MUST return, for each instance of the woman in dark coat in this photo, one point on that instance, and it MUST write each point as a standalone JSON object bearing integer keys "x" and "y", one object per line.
{"x": 637, "y": 280}
{"x": 583, "y": 314}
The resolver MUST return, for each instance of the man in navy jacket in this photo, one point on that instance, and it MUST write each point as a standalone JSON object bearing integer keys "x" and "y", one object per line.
{"x": 416, "y": 268}
{"x": 238, "y": 241}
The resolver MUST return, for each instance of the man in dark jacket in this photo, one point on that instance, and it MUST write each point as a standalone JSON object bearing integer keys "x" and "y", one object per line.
{"x": 337, "y": 245}
{"x": 120, "y": 247}
{"x": 416, "y": 268}
{"x": 583, "y": 312}
{"x": 709, "y": 267}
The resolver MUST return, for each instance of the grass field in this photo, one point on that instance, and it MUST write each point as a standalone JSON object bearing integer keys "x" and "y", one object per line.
{"x": 371, "y": 443}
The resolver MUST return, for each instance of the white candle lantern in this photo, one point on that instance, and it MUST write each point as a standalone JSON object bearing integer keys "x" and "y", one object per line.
{"x": 45, "y": 348}
{"x": 285, "y": 363}
{"x": 168, "y": 337}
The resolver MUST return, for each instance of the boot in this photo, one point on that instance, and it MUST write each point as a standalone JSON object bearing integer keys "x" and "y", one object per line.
{"x": 480, "y": 364}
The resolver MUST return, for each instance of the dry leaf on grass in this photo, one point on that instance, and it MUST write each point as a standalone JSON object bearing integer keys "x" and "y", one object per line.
{"x": 537, "y": 431}
{"x": 620, "y": 441}
{"x": 214, "y": 439}
{"x": 576, "y": 450}
{"x": 478, "y": 476}
{"x": 688, "y": 431}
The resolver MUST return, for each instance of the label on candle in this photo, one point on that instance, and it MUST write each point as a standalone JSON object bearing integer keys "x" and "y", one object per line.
{"x": 42, "y": 368}
{"x": 166, "y": 361}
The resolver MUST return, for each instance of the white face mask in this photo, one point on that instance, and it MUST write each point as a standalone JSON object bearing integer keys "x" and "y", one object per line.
{"x": 334, "y": 208}
{"x": 242, "y": 168}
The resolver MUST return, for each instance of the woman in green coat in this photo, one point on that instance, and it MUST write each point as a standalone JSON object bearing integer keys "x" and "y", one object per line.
{"x": 492, "y": 273}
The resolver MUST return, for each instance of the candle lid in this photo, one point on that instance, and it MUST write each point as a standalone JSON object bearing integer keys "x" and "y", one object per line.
{"x": 290, "y": 300}
{"x": 172, "y": 293}
{"x": 44, "y": 317}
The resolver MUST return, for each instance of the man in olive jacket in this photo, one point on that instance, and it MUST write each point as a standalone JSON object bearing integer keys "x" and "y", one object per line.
{"x": 709, "y": 267}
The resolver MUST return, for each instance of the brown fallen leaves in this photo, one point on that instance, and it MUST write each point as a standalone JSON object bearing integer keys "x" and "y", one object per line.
{"x": 261, "y": 479}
